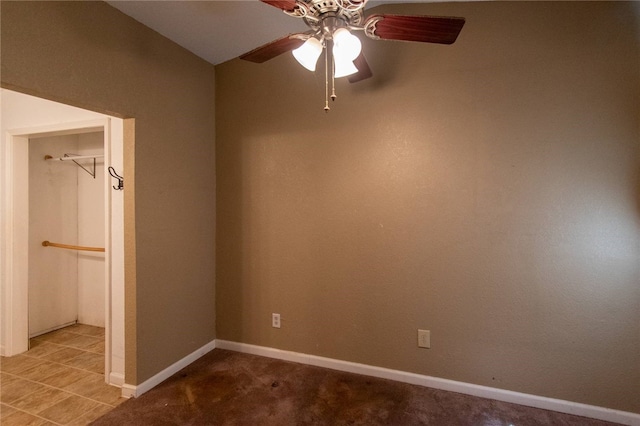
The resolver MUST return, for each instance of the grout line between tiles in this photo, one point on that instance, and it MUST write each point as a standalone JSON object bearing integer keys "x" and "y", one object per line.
{"x": 34, "y": 415}
{"x": 58, "y": 347}
{"x": 54, "y": 387}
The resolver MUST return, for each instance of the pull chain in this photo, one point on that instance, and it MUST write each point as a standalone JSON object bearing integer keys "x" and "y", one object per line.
{"x": 333, "y": 74}
{"x": 329, "y": 66}
{"x": 326, "y": 79}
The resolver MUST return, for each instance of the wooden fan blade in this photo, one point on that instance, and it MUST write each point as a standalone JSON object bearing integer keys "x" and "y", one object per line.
{"x": 426, "y": 29}
{"x": 364, "y": 71}
{"x": 273, "y": 49}
{"x": 281, "y": 4}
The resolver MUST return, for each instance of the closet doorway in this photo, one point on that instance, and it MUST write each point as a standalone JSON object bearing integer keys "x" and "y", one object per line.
{"x": 45, "y": 287}
{"x": 66, "y": 231}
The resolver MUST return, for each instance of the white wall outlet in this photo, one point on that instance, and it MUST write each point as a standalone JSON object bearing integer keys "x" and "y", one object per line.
{"x": 424, "y": 338}
{"x": 275, "y": 320}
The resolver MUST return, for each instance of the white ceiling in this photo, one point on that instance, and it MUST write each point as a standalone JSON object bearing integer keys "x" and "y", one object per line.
{"x": 217, "y": 30}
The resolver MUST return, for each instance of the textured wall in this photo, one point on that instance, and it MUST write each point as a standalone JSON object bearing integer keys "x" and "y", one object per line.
{"x": 90, "y": 55}
{"x": 488, "y": 191}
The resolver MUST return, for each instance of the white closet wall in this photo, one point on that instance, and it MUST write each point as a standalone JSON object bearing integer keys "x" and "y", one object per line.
{"x": 66, "y": 205}
{"x": 91, "y": 267}
{"x": 53, "y": 216}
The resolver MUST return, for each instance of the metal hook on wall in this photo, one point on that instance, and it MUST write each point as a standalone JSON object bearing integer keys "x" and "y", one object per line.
{"x": 115, "y": 175}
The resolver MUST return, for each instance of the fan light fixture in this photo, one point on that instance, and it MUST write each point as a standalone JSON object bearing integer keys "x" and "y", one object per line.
{"x": 345, "y": 45}
{"x": 346, "y": 48}
{"x": 344, "y": 68}
{"x": 307, "y": 54}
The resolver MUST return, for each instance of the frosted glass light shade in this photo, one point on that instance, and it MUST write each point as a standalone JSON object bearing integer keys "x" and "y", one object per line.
{"x": 343, "y": 68}
{"x": 307, "y": 54}
{"x": 346, "y": 46}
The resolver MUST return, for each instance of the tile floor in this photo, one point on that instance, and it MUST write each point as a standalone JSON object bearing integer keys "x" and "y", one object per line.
{"x": 59, "y": 381}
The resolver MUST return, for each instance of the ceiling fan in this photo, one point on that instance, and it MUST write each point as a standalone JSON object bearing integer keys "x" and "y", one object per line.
{"x": 330, "y": 23}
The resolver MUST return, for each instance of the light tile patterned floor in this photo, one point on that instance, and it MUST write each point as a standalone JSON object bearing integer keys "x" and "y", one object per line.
{"x": 59, "y": 381}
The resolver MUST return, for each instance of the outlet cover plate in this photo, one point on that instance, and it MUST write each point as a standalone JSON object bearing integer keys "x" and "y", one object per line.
{"x": 275, "y": 320}
{"x": 424, "y": 339}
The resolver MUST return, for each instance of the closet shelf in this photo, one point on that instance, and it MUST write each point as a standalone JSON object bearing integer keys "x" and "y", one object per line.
{"x": 73, "y": 157}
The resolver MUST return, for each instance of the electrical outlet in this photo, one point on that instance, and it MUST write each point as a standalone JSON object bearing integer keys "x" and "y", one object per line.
{"x": 424, "y": 338}
{"x": 275, "y": 320}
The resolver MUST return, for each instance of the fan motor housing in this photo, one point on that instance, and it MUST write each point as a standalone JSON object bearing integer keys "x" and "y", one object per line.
{"x": 314, "y": 12}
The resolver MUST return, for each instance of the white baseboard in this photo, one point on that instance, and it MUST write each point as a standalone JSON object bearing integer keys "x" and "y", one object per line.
{"x": 116, "y": 379}
{"x": 134, "y": 391}
{"x": 559, "y": 405}
{"x": 128, "y": 391}
{"x": 49, "y": 330}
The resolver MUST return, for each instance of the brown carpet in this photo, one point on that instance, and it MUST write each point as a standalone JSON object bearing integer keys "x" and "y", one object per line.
{"x": 230, "y": 388}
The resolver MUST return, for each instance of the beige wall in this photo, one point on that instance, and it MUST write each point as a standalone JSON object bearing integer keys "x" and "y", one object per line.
{"x": 488, "y": 191}
{"x": 90, "y": 55}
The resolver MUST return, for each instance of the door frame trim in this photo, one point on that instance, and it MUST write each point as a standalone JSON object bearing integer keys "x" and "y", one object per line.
{"x": 16, "y": 231}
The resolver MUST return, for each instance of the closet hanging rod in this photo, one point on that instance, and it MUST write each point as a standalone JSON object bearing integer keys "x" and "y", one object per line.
{"x": 76, "y": 157}
{"x": 70, "y": 247}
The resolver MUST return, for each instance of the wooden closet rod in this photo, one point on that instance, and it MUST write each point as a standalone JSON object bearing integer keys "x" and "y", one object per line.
{"x": 70, "y": 247}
